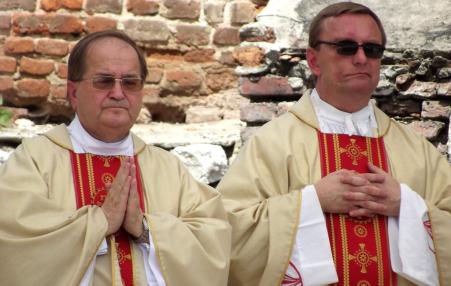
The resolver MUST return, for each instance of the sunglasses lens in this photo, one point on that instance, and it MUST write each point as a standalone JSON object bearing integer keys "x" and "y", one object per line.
{"x": 132, "y": 84}
{"x": 103, "y": 82}
{"x": 374, "y": 51}
{"x": 347, "y": 48}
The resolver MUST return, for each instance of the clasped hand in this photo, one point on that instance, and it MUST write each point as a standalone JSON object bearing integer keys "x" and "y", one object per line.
{"x": 360, "y": 195}
{"x": 121, "y": 205}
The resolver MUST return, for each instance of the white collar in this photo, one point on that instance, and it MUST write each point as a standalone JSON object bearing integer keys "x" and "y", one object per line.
{"x": 83, "y": 142}
{"x": 332, "y": 120}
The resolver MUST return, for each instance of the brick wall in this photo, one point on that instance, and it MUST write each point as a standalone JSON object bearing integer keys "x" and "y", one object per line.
{"x": 189, "y": 46}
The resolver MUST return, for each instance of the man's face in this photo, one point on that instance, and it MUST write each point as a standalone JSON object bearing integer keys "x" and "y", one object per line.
{"x": 108, "y": 114}
{"x": 355, "y": 75}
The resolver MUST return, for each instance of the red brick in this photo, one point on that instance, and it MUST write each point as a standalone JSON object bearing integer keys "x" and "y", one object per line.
{"x": 73, "y": 4}
{"x": 182, "y": 81}
{"x": 33, "y": 88}
{"x": 52, "y": 47}
{"x": 151, "y": 95}
{"x": 227, "y": 36}
{"x": 155, "y": 75}
{"x": 28, "y": 5}
{"x": 65, "y": 24}
{"x": 58, "y": 92}
{"x": 18, "y": 45}
{"x": 266, "y": 86}
{"x": 147, "y": 31}
{"x": 214, "y": 11}
{"x": 36, "y": 67}
{"x": 28, "y": 23}
{"x": 6, "y": 84}
{"x": 97, "y": 23}
{"x": 227, "y": 58}
{"x": 143, "y": 7}
{"x": 53, "y": 5}
{"x": 248, "y": 56}
{"x": 217, "y": 81}
{"x": 242, "y": 12}
{"x": 7, "y": 64}
{"x": 103, "y": 6}
{"x": 195, "y": 35}
{"x": 200, "y": 55}
{"x": 61, "y": 70}
{"x": 182, "y": 9}
{"x": 5, "y": 23}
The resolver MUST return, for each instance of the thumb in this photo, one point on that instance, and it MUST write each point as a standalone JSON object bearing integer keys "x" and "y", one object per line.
{"x": 374, "y": 169}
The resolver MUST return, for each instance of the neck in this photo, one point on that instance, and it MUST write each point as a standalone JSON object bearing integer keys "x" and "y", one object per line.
{"x": 344, "y": 101}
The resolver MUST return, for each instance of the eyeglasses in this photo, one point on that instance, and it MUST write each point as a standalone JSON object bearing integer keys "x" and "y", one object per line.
{"x": 349, "y": 48}
{"x": 107, "y": 82}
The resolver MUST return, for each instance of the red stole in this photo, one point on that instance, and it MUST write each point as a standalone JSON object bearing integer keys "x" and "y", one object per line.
{"x": 359, "y": 246}
{"x": 91, "y": 173}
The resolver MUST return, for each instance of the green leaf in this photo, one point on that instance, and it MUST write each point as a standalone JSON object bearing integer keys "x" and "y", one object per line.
{"x": 5, "y": 117}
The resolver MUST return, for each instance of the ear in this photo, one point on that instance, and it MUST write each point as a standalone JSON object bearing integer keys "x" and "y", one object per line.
{"x": 312, "y": 61}
{"x": 72, "y": 94}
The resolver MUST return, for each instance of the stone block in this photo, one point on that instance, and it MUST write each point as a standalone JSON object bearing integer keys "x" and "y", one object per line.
{"x": 32, "y": 91}
{"x": 58, "y": 93}
{"x": 421, "y": 89}
{"x": 182, "y": 81}
{"x": 429, "y": 129}
{"x": 99, "y": 23}
{"x": 103, "y": 6}
{"x": 181, "y": 9}
{"x": 155, "y": 75}
{"x": 52, "y": 47}
{"x": 65, "y": 24}
{"x": 5, "y": 23}
{"x": 147, "y": 31}
{"x": 29, "y": 5}
{"x": 227, "y": 58}
{"x": 193, "y": 35}
{"x": 18, "y": 45}
{"x": 249, "y": 56}
{"x": 248, "y": 132}
{"x": 260, "y": 112}
{"x": 436, "y": 109}
{"x": 401, "y": 107}
{"x": 257, "y": 32}
{"x": 442, "y": 73}
{"x": 6, "y": 84}
{"x": 221, "y": 80}
{"x": 242, "y": 12}
{"x": 7, "y": 64}
{"x": 61, "y": 70}
{"x": 444, "y": 89}
{"x": 197, "y": 114}
{"x": 36, "y": 66}
{"x": 200, "y": 55}
{"x": 273, "y": 86}
{"x": 206, "y": 162}
{"x": 214, "y": 11}
{"x": 226, "y": 36}
{"x": 143, "y": 7}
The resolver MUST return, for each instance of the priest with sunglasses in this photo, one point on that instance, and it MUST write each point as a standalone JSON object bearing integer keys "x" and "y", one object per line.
{"x": 92, "y": 204}
{"x": 334, "y": 191}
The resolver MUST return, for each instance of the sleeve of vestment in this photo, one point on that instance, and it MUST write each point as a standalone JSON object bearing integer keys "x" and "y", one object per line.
{"x": 188, "y": 224}
{"x": 263, "y": 208}
{"x": 43, "y": 242}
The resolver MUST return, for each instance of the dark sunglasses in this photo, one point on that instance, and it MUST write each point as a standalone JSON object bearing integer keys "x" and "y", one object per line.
{"x": 107, "y": 82}
{"x": 349, "y": 48}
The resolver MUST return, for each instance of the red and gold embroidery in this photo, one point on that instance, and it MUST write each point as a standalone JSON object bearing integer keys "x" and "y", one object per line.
{"x": 359, "y": 245}
{"x": 91, "y": 175}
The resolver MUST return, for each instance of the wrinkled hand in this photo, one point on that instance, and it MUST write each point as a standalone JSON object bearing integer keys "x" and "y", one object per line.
{"x": 133, "y": 215}
{"x": 333, "y": 189}
{"x": 383, "y": 197}
{"x": 115, "y": 203}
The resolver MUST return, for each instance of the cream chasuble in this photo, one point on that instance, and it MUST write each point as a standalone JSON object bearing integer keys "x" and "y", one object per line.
{"x": 262, "y": 192}
{"x": 46, "y": 240}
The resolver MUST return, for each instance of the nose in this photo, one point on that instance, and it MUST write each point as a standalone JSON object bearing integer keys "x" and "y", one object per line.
{"x": 360, "y": 57}
{"x": 116, "y": 92}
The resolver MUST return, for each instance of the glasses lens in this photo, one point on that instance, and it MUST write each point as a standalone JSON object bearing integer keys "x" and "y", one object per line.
{"x": 347, "y": 48}
{"x": 132, "y": 83}
{"x": 103, "y": 82}
{"x": 374, "y": 51}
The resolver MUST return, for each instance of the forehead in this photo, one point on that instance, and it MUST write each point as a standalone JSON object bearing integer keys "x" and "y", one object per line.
{"x": 359, "y": 27}
{"x": 111, "y": 55}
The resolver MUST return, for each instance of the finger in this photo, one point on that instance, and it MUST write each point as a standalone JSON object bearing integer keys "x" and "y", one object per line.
{"x": 375, "y": 178}
{"x": 376, "y": 170}
{"x": 374, "y": 207}
{"x": 353, "y": 179}
{"x": 356, "y": 196}
{"x": 361, "y": 212}
{"x": 374, "y": 191}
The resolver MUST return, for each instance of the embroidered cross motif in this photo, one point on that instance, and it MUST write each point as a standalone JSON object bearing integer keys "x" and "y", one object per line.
{"x": 363, "y": 258}
{"x": 353, "y": 152}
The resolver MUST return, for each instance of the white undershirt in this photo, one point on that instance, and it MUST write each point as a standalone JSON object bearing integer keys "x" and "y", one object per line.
{"x": 412, "y": 259}
{"x": 83, "y": 142}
